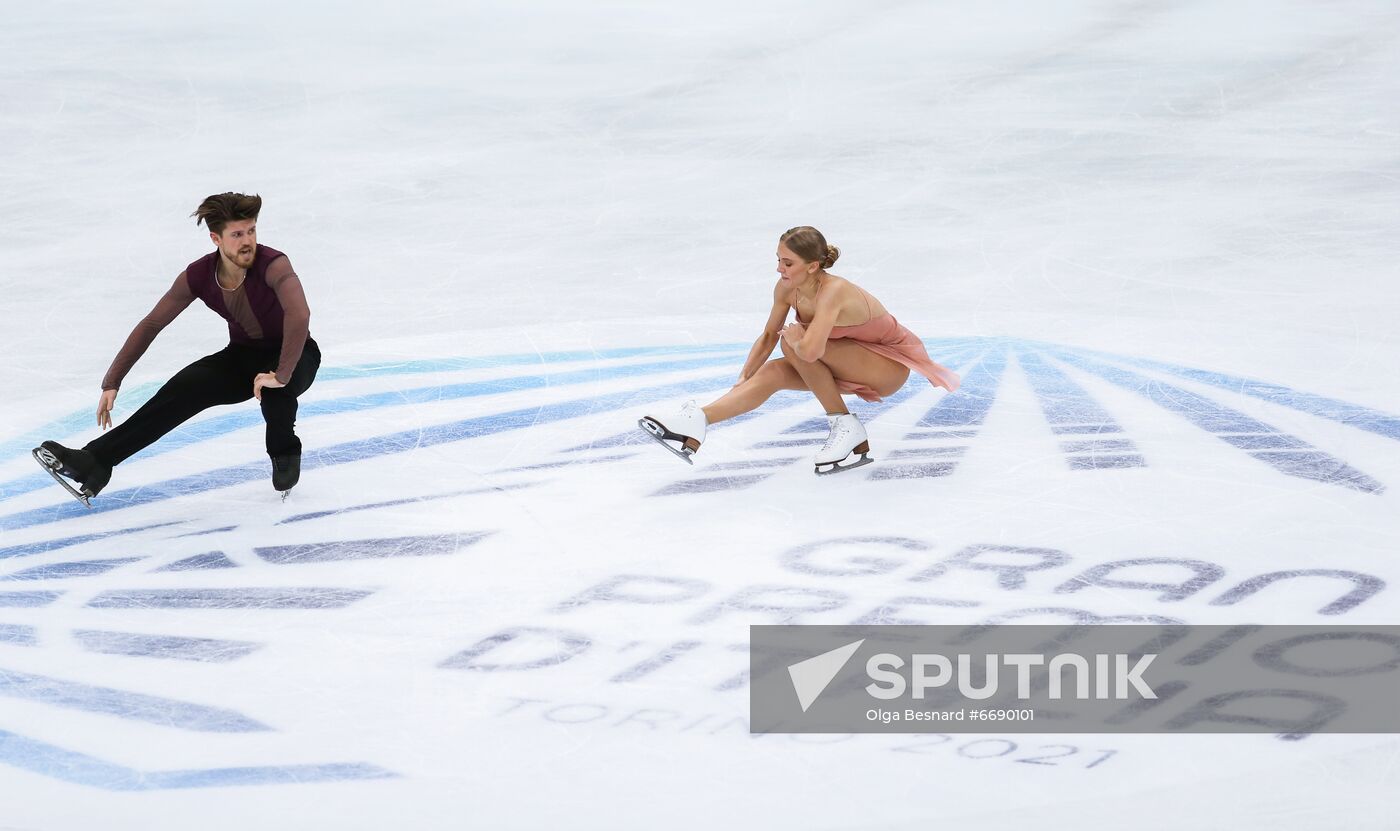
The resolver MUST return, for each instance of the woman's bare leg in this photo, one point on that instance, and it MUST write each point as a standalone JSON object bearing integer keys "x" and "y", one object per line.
{"x": 818, "y": 378}
{"x": 771, "y": 377}
{"x": 849, "y": 362}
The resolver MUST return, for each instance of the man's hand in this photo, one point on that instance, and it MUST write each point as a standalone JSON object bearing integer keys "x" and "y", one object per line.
{"x": 104, "y": 408}
{"x": 265, "y": 379}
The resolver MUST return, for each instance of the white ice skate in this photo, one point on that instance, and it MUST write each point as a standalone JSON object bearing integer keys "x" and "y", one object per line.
{"x": 680, "y": 431}
{"x": 846, "y": 446}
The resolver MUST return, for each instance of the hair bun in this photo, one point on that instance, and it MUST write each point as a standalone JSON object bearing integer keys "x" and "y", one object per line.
{"x": 832, "y": 255}
{"x": 809, "y": 244}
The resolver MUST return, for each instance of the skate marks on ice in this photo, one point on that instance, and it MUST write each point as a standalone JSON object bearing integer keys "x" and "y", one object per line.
{"x": 1090, "y": 437}
{"x": 937, "y": 429}
{"x": 80, "y": 421}
{"x": 1050, "y": 371}
{"x": 81, "y": 767}
{"x": 1288, "y": 454}
{"x": 620, "y": 364}
{"x": 957, "y": 416}
{"x": 811, "y": 430}
{"x": 50, "y": 760}
{"x": 613, "y": 372}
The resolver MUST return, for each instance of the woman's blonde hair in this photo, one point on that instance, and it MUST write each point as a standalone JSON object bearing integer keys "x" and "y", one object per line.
{"x": 809, "y": 244}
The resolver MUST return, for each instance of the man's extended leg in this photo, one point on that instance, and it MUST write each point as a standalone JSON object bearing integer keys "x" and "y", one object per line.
{"x": 210, "y": 381}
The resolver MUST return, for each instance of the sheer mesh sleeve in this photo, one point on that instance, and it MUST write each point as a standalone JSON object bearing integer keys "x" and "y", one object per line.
{"x": 296, "y": 321}
{"x": 176, "y": 300}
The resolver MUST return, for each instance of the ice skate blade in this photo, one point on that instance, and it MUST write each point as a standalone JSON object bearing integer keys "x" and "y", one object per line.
{"x": 656, "y": 431}
{"x": 50, "y": 465}
{"x": 286, "y": 493}
{"x": 837, "y": 467}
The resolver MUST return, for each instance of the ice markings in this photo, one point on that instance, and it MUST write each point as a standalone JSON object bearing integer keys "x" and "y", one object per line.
{"x": 751, "y": 464}
{"x": 207, "y": 531}
{"x": 1266, "y": 441}
{"x": 810, "y": 441}
{"x": 323, "y": 552}
{"x": 250, "y": 598}
{"x": 166, "y": 712}
{"x": 27, "y": 600}
{"x": 209, "y": 560}
{"x": 222, "y": 425}
{"x": 174, "y": 647}
{"x": 1073, "y": 412}
{"x": 954, "y": 416}
{"x": 1286, "y": 454}
{"x": 1352, "y": 415}
{"x": 18, "y": 634}
{"x": 625, "y": 439}
{"x": 590, "y": 460}
{"x": 921, "y": 470}
{"x": 634, "y": 436}
{"x": 718, "y": 483}
{"x": 969, "y": 406}
{"x": 32, "y": 548}
{"x": 368, "y": 506}
{"x": 79, "y": 568}
{"x": 925, "y": 452}
{"x": 459, "y": 364}
{"x": 354, "y": 451}
{"x": 815, "y": 429}
{"x": 78, "y": 768}
{"x": 1090, "y": 437}
{"x": 866, "y": 411}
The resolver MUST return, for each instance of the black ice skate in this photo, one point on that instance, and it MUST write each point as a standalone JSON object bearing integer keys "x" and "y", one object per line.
{"x": 78, "y": 465}
{"x": 686, "y": 430}
{"x": 286, "y": 472}
{"x": 846, "y": 446}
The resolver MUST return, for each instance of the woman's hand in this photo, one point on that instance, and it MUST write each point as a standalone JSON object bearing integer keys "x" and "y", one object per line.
{"x": 266, "y": 380}
{"x": 793, "y": 332}
{"x": 104, "y": 408}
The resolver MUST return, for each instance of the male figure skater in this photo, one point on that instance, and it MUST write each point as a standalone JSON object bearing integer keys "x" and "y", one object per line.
{"x": 270, "y": 355}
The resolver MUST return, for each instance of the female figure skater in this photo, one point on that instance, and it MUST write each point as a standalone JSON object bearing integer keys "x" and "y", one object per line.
{"x": 843, "y": 341}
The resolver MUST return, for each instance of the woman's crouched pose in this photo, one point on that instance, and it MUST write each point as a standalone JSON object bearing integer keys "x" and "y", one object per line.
{"x": 843, "y": 341}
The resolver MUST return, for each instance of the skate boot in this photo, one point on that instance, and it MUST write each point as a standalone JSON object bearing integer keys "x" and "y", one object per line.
{"x": 286, "y": 472}
{"x": 680, "y": 432}
{"x": 79, "y": 465}
{"x": 846, "y": 446}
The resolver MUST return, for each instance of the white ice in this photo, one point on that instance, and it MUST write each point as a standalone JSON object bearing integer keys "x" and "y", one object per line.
{"x": 594, "y": 191}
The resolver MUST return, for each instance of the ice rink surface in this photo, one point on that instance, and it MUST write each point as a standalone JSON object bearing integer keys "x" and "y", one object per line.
{"x": 1158, "y": 239}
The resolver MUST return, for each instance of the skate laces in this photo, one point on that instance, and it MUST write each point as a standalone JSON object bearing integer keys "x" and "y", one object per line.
{"x": 839, "y": 430}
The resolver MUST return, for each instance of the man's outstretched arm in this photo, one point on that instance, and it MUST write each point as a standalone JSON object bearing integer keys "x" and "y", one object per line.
{"x": 176, "y": 299}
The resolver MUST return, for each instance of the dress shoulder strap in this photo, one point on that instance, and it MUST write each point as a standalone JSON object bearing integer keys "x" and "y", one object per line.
{"x": 869, "y": 312}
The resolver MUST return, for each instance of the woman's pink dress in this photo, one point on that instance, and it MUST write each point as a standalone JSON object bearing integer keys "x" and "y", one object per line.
{"x": 884, "y": 336}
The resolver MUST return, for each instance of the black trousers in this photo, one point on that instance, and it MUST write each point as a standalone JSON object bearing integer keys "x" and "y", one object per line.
{"x": 226, "y": 377}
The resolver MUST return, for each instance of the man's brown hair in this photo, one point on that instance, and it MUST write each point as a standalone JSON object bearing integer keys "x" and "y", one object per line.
{"x": 222, "y": 208}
